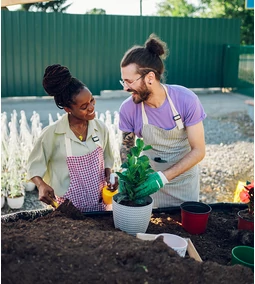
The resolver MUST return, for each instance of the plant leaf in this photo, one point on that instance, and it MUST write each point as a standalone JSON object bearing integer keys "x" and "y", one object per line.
{"x": 139, "y": 143}
{"x": 138, "y": 170}
{"x": 135, "y": 151}
{"x": 147, "y": 147}
{"x": 121, "y": 197}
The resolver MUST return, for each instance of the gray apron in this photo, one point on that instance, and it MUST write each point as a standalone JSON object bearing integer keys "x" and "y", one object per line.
{"x": 170, "y": 146}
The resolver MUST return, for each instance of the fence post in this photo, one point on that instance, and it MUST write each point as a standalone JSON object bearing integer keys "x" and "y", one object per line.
{"x": 230, "y": 66}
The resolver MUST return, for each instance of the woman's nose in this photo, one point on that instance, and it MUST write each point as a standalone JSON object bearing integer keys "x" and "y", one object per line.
{"x": 91, "y": 106}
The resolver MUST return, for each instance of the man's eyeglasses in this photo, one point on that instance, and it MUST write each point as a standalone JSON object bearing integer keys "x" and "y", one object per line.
{"x": 124, "y": 83}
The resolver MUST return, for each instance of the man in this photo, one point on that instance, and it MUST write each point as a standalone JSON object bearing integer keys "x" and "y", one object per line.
{"x": 169, "y": 118}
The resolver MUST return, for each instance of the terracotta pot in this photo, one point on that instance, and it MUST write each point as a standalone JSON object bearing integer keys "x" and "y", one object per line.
{"x": 195, "y": 216}
{"x": 131, "y": 220}
{"x": 245, "y": 221}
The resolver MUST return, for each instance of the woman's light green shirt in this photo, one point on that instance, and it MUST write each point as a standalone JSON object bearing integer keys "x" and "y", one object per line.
{"x": 48, "y": 157}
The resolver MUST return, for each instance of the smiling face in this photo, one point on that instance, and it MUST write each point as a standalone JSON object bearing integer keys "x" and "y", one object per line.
{"x": 135, "y": 83}
{"x": 83, "y": 108}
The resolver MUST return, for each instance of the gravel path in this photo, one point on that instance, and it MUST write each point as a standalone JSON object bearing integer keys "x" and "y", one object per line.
{"x": 229, "y": 158}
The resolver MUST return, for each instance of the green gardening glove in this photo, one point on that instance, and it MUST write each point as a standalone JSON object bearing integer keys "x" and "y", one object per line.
{"x": 155, "y": 181}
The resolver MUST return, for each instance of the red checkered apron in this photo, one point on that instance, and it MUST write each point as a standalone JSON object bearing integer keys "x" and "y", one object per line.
{"x": 87, "y": 179}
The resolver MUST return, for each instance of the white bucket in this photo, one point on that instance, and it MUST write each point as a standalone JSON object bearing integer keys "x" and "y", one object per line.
{"x": 175, "y": 242}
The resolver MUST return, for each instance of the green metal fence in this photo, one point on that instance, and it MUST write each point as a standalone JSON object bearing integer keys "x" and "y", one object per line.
{"x": 91, "y": 46}
{"x": 246, "y": 67}
{"x": 238, "y": 64}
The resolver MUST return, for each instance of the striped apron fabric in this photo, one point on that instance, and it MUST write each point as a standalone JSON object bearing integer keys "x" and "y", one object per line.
{"x": 87, "y": 179}
{"x": 170, "y": 146}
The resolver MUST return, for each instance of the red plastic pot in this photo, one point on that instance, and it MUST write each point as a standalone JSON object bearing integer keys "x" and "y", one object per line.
{"x": 195, "y": 216}
{"x": 244, "y": 224}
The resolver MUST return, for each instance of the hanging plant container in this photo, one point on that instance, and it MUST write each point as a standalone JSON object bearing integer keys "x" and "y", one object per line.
{"x": 245, "y": 220}
{"x": 195, "y": 216}
{"x": 131, "y": 220}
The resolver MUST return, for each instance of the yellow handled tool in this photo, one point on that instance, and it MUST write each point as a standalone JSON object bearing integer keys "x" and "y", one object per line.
{"x": 54, "y": 203}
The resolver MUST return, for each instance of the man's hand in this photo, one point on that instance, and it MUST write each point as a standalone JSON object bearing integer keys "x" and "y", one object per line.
{"x": 151, "y": 185}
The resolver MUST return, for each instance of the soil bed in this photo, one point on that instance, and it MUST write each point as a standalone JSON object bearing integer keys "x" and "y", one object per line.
{"x": 60, "y": 248}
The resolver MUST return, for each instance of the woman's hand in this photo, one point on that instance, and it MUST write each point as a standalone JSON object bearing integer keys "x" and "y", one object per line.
{"x": 114, "y": 186}
{"x": 111, "y": 186}
{"x": 46, "y": 193}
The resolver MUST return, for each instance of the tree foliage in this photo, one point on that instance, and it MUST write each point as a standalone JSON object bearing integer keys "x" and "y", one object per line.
{"x": 233, "y": 9}
{"x": 96, "y": 11}
{"x": 175, "y": 8}
{"x": 51, "y": 6}
{"x": 213, "y": 9}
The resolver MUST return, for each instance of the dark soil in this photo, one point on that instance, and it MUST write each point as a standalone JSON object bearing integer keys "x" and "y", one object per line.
{"x": 65, "y": 247}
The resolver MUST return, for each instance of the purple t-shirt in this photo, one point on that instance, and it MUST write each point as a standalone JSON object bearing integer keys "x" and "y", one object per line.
{"x": 185, "y": 101}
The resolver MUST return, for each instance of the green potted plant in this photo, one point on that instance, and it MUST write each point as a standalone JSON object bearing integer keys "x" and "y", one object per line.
{"x": 131, "y": 211}
{"x": 246, "y": 216}
{"x": 15, "y": 191}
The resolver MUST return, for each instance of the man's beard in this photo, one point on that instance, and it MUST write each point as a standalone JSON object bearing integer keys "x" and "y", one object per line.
{"x": 143, "y": 94}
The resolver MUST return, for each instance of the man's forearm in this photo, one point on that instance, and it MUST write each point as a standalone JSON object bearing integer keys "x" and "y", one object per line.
{"x": 128, "y": 141}
{"x": 123, "y": 153}
{"x": 186, "y": 163}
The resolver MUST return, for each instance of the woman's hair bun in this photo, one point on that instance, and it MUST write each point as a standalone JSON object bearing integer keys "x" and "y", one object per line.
{"x": 56, "y": 79}
{"x": 156, "y": 46}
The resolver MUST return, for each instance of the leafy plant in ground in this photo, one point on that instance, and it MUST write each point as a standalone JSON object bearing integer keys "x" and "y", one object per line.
{"x": 136, "y": 171}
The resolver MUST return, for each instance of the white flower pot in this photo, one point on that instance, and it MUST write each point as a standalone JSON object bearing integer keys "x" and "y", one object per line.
{"x": 2, "y": 201}
{"x": 15, "y": 202}
{"x": 29, "y": 186}
{"x": 131, "y": 220}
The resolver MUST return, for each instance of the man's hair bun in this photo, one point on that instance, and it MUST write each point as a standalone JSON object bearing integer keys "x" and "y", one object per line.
{"x": 156, "y": 46}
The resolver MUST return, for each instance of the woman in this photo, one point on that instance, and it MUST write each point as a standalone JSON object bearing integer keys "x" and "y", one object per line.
{"x": 72, "y": 158}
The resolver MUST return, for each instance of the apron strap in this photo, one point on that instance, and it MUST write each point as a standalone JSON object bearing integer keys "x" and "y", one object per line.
{"x": 144, "y": 116}
{"x": 68, "y": 147}
{"x": 176, "y": 117}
